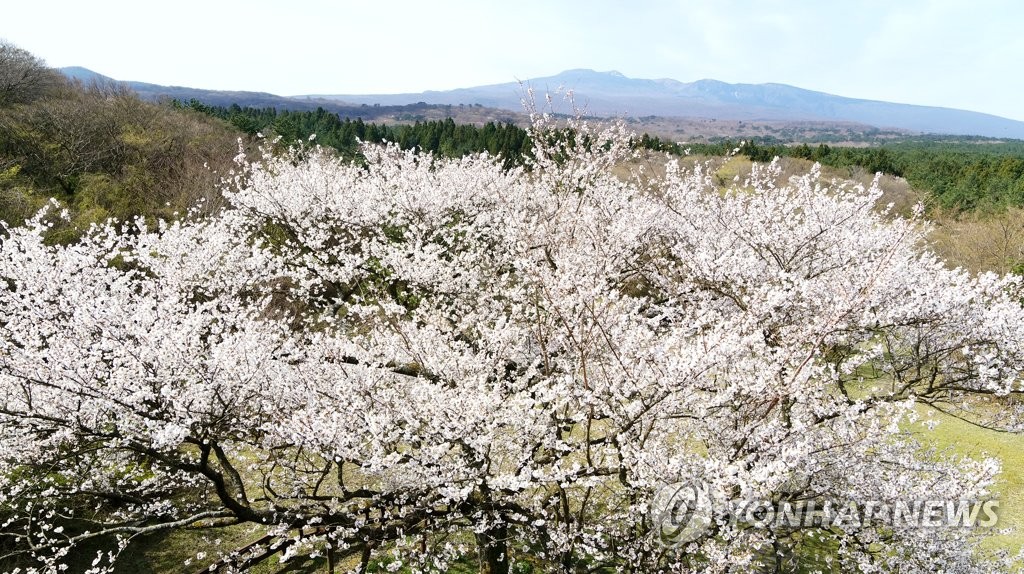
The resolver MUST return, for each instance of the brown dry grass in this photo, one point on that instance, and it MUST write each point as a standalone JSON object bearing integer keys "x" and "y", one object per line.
{"x": 980, "y": 241}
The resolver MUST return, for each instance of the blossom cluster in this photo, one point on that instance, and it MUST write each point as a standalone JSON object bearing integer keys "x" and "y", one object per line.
{"x": 361, "y": 360}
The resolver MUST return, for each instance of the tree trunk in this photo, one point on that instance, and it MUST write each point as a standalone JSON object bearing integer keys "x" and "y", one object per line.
{"x": 331, "y": 565}
{"x": 492, "y": 548}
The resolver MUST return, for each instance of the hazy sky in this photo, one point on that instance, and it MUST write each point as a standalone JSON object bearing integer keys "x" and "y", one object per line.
{"x": 965, "y": 54}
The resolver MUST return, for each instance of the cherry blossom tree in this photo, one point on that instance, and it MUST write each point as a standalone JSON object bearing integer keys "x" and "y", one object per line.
{"x": 417, "y": 360}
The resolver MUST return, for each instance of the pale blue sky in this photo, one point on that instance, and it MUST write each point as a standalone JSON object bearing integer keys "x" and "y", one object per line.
{"x": 966, "y": 54}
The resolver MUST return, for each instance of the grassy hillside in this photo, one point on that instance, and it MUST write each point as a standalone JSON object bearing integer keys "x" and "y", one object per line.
{"x": 965, "y": 439}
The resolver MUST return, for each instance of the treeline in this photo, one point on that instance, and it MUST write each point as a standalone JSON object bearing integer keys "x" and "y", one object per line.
{"x": 441, "y": 137}
{"x": 965, "y": 174}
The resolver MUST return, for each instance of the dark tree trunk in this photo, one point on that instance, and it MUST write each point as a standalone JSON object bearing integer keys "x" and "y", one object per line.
{"x": 492, "y": 548}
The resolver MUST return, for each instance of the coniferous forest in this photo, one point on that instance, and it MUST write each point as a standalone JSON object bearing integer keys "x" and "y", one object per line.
{"x": 959, "y": 173}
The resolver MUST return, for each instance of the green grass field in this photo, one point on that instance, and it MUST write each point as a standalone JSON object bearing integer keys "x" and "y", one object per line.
{"x": 965, "y": 439}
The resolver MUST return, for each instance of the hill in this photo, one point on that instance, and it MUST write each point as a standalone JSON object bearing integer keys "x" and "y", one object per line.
{"x": 705, "y": 109}
{"x": 407, "y": 112}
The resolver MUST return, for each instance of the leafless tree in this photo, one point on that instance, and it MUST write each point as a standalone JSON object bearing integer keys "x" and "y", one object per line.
{"x": 23, "y": 76}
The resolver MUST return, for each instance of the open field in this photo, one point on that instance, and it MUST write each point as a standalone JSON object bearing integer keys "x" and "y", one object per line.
{"x": 968, "y": 440}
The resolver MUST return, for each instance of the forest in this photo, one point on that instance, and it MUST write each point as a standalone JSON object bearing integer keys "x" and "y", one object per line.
{"x": 443, "y": 138}
{"x": 964, "y": 173}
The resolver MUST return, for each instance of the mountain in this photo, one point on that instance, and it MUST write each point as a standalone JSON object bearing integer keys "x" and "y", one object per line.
{"x": 613, "y": 94}
{"x": 418, "y": 111}
{"x": 84, "y": 75}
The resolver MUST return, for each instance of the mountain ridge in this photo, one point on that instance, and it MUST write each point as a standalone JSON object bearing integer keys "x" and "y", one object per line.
{"x": 611, "y": 94}
{"x": 225, "y": 98}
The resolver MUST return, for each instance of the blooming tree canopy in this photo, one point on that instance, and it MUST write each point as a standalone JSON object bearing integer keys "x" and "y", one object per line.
{"x": 414, "y": 360}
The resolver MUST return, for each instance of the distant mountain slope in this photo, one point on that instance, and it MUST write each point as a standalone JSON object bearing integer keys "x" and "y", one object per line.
{"x": 209, "y": 97}
{"x": 415, "y": 110}
{"x": 84, "y": 75}
{"x": 611, "y": 93}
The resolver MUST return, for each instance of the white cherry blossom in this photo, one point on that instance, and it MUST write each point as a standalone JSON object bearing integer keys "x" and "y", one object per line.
{"x": 363, "y": 359}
